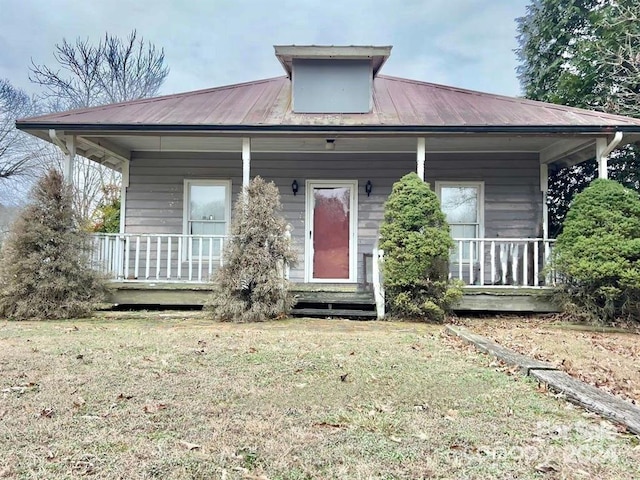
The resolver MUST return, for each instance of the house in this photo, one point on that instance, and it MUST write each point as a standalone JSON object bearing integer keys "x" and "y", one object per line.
{"x": 334, "y": 134}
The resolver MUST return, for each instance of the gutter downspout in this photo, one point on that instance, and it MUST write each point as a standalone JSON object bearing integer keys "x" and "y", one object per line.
{"x": 603, "y": 150}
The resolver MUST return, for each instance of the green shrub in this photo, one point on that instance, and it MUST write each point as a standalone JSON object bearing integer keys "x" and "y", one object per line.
{"x": 45, "y": 268}
{"x": 416, "y": 242}
{"x": 597, "y": 256}
{"x": 250, "y": 286}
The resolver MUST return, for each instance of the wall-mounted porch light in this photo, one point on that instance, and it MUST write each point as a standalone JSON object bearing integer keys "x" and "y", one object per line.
{"x": 294, "y": 187}
{"x": 368, "y": 187}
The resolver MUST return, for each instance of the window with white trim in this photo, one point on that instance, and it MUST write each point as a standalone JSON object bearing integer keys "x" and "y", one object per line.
{"x": 463, "y": 205}
{"x": 207, "y": 211}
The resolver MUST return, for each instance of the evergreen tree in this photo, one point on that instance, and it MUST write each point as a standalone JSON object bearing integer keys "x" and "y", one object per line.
{"x": 250, "y": 286}
{"x": 583, "y": 53}
{"x": 45, "y": 270}
{"x": 598, "y": 253}
{"x": 417, "y": 243}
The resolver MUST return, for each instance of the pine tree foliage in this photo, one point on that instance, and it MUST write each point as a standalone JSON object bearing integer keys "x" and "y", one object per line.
{"x": 45, "y": 270}
{"x": 598, "y": 253}
{"x": 417, "y": 243}
{"x": 250, "y": 286}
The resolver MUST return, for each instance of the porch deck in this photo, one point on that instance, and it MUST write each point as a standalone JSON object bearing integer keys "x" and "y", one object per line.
{"x": 500, "y": 274}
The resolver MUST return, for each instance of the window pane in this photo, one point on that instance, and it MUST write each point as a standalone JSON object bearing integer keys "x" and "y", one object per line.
{"x": 460, "y": 204}
{"x": 207, "y": 228}
{"x": 207, "y": 202}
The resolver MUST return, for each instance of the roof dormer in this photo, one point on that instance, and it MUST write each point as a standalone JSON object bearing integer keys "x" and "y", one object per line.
{"x": 332, "y": 79}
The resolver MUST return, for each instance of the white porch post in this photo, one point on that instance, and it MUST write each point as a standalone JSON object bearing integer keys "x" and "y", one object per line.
{"x": 124, "y": 184}
{"x": 420, "y": 157}
{"x": 601, "y": 157}
{"x": 70, "y": 159}
{"x": 246, "y": 161}
{"x": 544, "y": 188}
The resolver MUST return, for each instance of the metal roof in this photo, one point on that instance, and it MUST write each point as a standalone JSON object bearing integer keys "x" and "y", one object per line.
{"x": 398, "y": 105}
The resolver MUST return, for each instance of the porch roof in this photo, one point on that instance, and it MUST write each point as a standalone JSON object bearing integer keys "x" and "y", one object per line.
{"x": 399, "y": 105}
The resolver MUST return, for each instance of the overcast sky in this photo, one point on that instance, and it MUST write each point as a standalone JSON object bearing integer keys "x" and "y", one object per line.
{"x": 464, "y": 43}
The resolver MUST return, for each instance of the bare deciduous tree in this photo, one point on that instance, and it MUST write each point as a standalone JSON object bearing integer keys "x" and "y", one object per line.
{"x": 22, "y": 157}
{"x": 87, "y": 75}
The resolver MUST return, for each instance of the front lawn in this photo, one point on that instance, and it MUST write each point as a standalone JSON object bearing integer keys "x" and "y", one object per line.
{"x": 175, "y": 396}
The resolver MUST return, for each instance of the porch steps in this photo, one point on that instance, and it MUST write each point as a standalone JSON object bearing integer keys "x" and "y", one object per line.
{"x": 339, "y": 301}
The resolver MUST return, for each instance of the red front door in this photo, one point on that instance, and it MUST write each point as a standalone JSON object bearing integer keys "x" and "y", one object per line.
{"x": 331, "y": 232}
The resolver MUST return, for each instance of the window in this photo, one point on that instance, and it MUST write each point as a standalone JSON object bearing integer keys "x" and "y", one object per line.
{"x": 463, "y": 205}
{"x": 207, "y": 209}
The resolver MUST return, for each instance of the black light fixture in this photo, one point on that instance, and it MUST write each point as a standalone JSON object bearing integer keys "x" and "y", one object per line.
{"x": 368, "y": 187}
{"x": 294, "y": 187}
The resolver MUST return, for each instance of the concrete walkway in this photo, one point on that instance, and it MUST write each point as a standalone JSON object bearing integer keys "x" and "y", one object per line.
{"x": 580, "y": 393}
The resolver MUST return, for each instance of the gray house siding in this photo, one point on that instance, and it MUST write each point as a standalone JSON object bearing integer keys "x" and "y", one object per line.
{"x": 512, "y": 205}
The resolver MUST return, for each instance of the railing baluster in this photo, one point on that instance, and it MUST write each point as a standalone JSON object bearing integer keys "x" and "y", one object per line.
{"x": 493, "y": 262}
{"x": 127, "y": 247}
{"x": 169, "y": 258}
{"x": 482, "y": 262}
{"x": 147, "y": 261}
{"x": 136, "y": 267}
{"x": 190, "y": 257}
{"x": 209, "y": 272}
{"x": 460, "y": 244}
{"x": 536, "y": 263}
{"x": 525, "y": 265}
{"x": 179, "y": 258}
{"x": 471, "y": 259}
{"x": 158, "y": 257}
{"x": 200, "y": 259}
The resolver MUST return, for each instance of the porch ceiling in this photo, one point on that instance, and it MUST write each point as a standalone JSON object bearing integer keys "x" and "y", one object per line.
{"x": 553, "y": 149}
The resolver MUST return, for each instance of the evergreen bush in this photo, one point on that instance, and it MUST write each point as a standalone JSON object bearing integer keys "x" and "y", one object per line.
{"x": 417, "y": 243}
{"x": 45, "y": 270}
{"x": 597, "y": 255}
{"x": 250, "y": 286}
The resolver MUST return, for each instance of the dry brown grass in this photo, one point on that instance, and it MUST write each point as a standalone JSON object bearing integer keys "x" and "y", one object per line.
{"x": 605, "y": 357}
{"x": 175, "y": 396}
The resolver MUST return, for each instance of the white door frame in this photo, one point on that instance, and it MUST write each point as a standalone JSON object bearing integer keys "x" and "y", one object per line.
{"x": 353, "y": 230}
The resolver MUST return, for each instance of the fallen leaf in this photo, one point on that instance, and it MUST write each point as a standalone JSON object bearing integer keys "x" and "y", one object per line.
{"x": 252, "y": 350}
{"x": 46, "y": 412}
{"x": 343, "y": 377}
{"x": 79, "y": 356}
{"x": 189, "y": 445}
{"x": 78, "y": 402}
{"x": 328, "y": 425}
{"x": 154, "y": 407}
{"x": 122, "y": 396}
{"x": 395, "y": 439}
{"x": 451, "y": 414}
{"x": 547, "y": 468}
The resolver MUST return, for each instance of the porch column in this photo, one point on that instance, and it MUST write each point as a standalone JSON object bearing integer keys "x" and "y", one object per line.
{"x": 544, "y": 188}
{"x": 70, "y": 159}
{"x": 124, "y": 184}
{"x": 420, "y": 157}
{"x": 601, "y": 157}
{"x": 246, "y": 161}
{"x": 603, "y": 149}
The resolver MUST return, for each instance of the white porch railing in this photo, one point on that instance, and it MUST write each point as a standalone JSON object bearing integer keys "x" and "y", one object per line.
{"x": 157, "y": 257}
{"x": 521, "y": 262}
